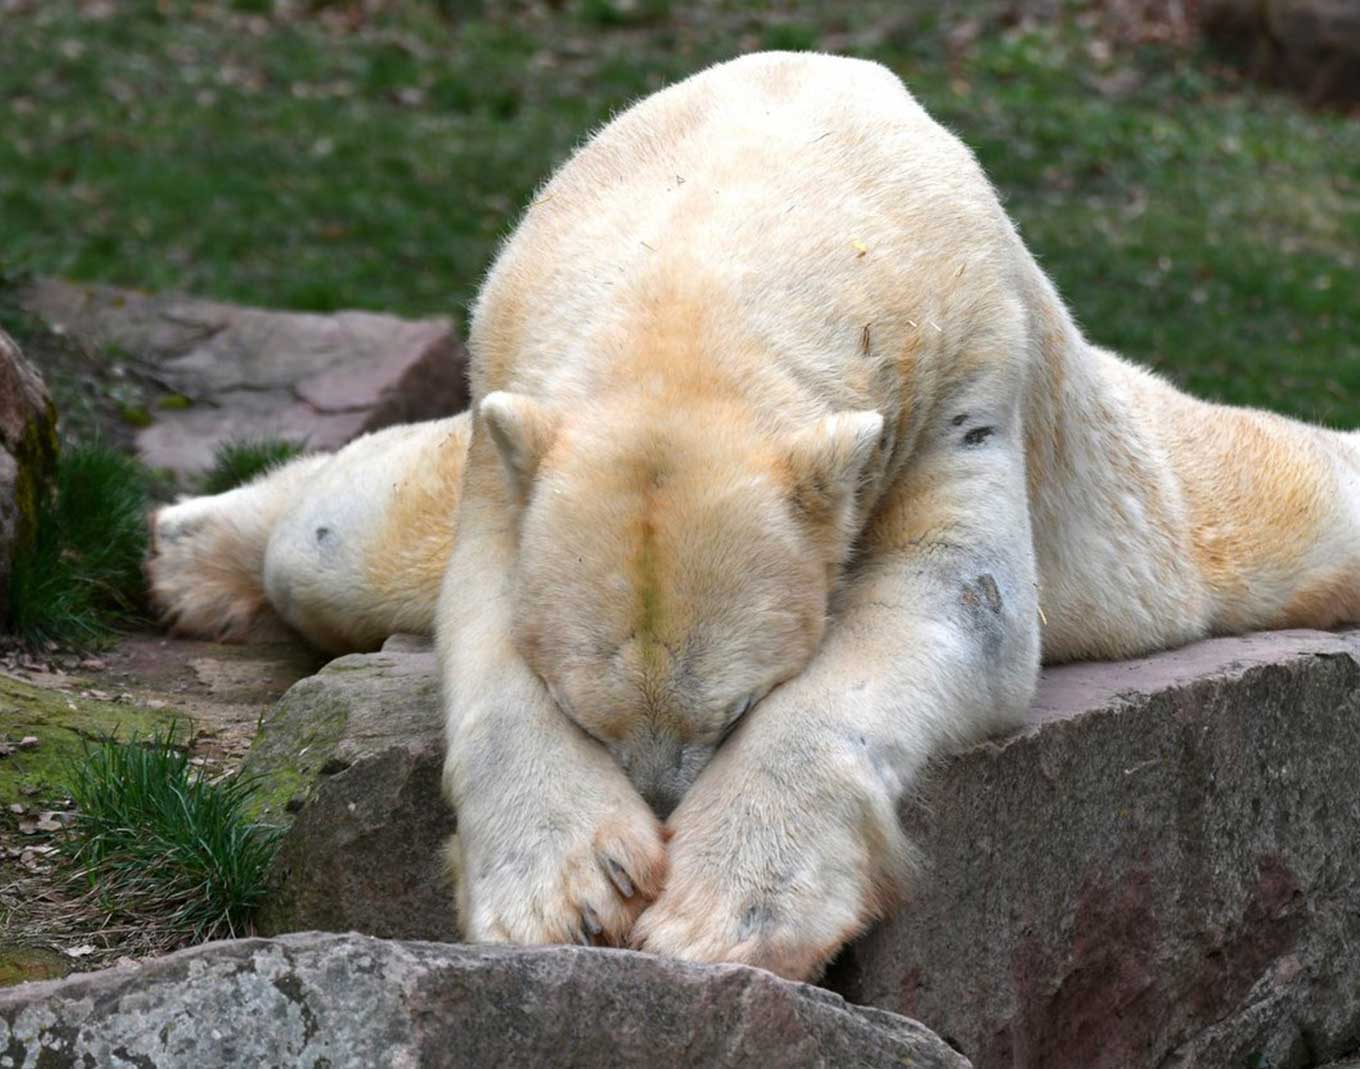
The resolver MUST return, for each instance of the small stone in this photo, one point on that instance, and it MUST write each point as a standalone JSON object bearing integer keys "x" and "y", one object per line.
{"x": 29, "y": 742}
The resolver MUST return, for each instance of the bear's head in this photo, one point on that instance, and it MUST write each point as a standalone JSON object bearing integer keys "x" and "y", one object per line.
{"x": 673, "y": 567}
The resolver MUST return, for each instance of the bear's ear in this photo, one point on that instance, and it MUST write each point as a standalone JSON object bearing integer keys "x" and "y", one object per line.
{"x": 827, "y": 461}
{"x": 523, "y": 431}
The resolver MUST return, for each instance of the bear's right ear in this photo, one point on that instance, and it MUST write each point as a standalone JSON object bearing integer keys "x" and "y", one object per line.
{"x": 523, "y": 430}
{"x": 828, "y": 461}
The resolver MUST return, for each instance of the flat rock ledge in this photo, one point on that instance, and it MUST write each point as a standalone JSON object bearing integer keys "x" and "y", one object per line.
{"x": 336, "y": 1001}
{"x": 1157, "y": 871}
{"x": 245, "y": 373}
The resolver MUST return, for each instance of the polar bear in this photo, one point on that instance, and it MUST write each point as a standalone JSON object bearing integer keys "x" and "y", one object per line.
{"x": 344, "y": 549}
{"x": 787, "y": 468}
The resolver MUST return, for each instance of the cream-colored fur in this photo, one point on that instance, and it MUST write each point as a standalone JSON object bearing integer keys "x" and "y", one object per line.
{"x": 346, "y": 549}
{"x": 788, "y": 466}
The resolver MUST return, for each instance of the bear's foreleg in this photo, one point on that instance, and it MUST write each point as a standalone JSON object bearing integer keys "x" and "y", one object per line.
{"x": 789, "y": 843}
{"x": 554, "y": 844}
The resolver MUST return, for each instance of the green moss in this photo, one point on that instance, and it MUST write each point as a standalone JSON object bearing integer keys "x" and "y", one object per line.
{"x": 20, "y": 964}
{"x": 36, "y": 458}
{"x": 63, "y": 724}
{"x": 293, "y": 745}
{"x": 135, "y": 416}
{"x": 174, "y": 402}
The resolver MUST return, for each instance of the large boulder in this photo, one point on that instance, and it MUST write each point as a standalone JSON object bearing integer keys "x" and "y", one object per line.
{"x": 1159, "y": 871}
{"x": 28, "y": 454}
{"x": 318, "y": 1000}
{"x": 238, "y": 373}
{"x": 350, "y": 761}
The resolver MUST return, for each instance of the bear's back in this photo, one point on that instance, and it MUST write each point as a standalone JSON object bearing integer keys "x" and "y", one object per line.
{"x": 810, "y": 192}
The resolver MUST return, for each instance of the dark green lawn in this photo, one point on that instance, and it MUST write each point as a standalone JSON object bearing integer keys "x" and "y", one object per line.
{"x": 1191, "y": 221}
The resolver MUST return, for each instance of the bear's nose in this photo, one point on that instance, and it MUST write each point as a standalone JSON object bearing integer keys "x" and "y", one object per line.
{"x": 662, "y": 800}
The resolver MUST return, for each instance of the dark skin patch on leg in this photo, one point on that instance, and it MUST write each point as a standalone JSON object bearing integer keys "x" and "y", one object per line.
{"x": 986, "y": 585}
{"x": 981, "y": 598}
{"x": 756, "y": 917}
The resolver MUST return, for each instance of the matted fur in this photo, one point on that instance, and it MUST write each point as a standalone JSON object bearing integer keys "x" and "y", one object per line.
{"x": 788, "y": 465}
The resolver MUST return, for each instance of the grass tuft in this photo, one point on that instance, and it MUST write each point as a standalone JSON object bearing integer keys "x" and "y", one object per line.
{"x": 237, "y": 463}
{"x": 155, "y": 841}
{"x": 82, "y": 576}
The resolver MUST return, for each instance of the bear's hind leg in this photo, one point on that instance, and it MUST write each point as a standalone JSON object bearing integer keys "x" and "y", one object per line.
{"x": 361, "y": 555}
{"x": 205, "y": 569}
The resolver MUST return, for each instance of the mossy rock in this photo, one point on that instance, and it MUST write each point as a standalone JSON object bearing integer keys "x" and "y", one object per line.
{"x": 19, "y": 964}
{"x": 64, "y": 725}
{"x": 350, "y": 761}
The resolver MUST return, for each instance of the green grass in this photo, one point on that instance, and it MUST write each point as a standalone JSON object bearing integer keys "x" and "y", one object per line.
{"x": 237, "y": 463}
{"x": 1192, "y": 221}
{"x": 155, "y": 841}
{"x": 82, "y": 576}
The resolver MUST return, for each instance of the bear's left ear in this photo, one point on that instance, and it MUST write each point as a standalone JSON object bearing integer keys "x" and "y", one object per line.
{"x": 523, "y": 431}
{"x": 827, "y": 461}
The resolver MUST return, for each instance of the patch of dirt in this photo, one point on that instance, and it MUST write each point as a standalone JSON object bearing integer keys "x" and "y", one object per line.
{"x": 221, "y": 691}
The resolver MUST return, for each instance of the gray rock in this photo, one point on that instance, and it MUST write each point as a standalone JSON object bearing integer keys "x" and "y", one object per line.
{"x": 250, "y": 373}
{"x": 28, "y": 454}
{"x": 351, "y": 760}
{"x": 351, "y": 1001}
{"x": 1160, "y": 871}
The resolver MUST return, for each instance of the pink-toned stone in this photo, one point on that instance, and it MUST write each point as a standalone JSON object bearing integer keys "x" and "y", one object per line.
{"x": 1158, "y": 872}
{"x": 253, "y": 373}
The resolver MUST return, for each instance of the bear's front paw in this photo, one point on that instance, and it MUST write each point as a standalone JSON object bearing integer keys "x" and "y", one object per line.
{"x": 794, "y": 932}
{"x": 770, "y": 877}
{"x": 561, "y": 878}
